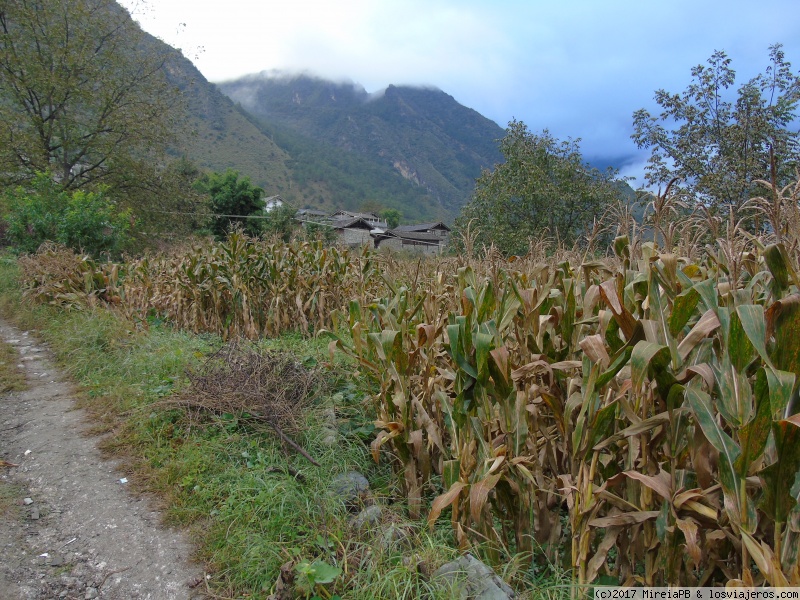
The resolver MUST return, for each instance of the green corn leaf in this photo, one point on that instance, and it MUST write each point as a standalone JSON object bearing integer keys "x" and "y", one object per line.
{"x": 700, "y": 404}
{"x": 647, "y": 357}
{"x": 781, "y": 384}
{"x": 454, "y": 334}
{"x": 683, "y": 308}
{"x": 783, "y": 322}
{"x": 615, "y": 367}
{"x": 675, "y": 397}
{"x": 603, "y": 420}
{"x": 780, "y": 265}
{"x": 500, "y": 370}
{"x": 755, "y": 327}
{"x": 708, "y": 294}
{"x": 451, "y": 471}
{"x": 483, "y": 345}
{"x": 735, "y": 399}
{"x": 779, "y": 477}
{"x": 740, "y": 349}
{"x": 485, "y": 301}
{"x": 383, "y": 344}
{"x": 753, "y": 436}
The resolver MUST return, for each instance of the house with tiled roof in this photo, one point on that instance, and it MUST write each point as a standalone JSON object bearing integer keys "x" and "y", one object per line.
{"x": 352, "y": 231}
{"x": 438, "y": 228}
{"x": 425, "y": 242}
{"x": 369, "y": 217}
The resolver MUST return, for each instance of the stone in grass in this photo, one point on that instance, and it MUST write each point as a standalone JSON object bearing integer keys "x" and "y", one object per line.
{"x": 351, "y": 487}
{"x": 471, "y": 579}
{"x": 329, "y": 437}
{"x": 394, "y": 537}
{"x": 369, "y": 517}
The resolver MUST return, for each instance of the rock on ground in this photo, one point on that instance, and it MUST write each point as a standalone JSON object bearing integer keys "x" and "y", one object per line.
{"x": 474, "y": 580}
{"x": 82, "y": 535}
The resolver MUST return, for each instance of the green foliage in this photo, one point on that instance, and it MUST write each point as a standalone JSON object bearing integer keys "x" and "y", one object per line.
{"x": 280, "y": 222}
{"x": 719, "y": 144}
{"x": 543, "y": 188}
{"x": 316, "y": 573}
{"x": 232, "y": 200}
{"x": 392, "y": 217}
{"x": 83, "y": 221}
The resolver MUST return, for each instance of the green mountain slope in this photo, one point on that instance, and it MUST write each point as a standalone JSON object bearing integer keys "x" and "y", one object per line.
{"x": 437, "y": 146}
{"x": 218, "y": 136}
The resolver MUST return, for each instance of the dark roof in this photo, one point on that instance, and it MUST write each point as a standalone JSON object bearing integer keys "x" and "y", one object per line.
{"x": 368, "y": 216}
{"x": 351, "y": 223}
{"x": 421, "y": 227}
{"x": 424, "y": 238}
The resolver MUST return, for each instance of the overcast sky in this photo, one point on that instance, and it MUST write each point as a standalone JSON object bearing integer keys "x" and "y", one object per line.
{"x": 576, "y": 67}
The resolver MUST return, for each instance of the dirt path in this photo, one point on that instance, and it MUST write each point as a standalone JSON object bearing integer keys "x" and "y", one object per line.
{"x": 69, "y": 529}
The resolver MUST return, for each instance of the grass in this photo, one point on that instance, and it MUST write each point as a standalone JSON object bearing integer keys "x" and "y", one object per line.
{"x": 10, "y": 506}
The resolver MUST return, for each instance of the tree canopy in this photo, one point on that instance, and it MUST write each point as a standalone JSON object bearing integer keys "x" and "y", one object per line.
{"x": 542, "y": 188}
{"x": 717, "y": 142}
{"x": 83, "y": 95}
{"x": 392, "y": 217}
{"x": 233, "y": 200}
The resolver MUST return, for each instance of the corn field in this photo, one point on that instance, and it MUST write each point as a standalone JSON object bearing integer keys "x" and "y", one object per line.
{"x": 639, "y": 411}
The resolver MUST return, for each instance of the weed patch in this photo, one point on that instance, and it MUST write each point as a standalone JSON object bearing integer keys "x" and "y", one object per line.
{"x": 12, "y": 377}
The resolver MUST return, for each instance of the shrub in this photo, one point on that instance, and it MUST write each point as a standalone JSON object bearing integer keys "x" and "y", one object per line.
{"x": 84, "y": 221}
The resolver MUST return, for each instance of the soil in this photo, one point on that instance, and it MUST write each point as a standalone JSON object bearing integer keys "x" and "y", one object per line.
{"x": 69, "y": 527}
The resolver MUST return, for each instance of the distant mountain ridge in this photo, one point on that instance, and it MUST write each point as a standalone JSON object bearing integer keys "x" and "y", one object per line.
{"x": 423, "y": 135}
{"x": 329, "y": 145}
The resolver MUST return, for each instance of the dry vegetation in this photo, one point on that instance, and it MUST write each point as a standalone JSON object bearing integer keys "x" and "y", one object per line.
{"x": 634, "y": 416}
{"x": 250, "y": 384}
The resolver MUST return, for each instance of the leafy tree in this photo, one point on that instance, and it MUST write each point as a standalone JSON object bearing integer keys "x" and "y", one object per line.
{"x": 392, "y": 217}
{"x": 84, "y": 221}
{"x": 318, "y": 231}
{"x": 542, "y": 188}
{"x": 717, "y": 142}
{"x": 232, "y": 200}
{"x": 281, "y": 222}
{"x": 83, "y": 95}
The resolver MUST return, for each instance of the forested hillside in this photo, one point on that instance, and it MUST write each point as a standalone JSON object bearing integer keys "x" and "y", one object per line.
{"x": 422, "y": 134}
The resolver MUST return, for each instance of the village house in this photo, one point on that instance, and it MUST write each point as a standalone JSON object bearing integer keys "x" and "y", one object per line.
{"x": 437, "y": 229}
{"x": 426, "y": 238}
{"x": 425, "y": 243}
{"x": 352, "y": 231}
{"x": 273, "y": 202}
{"x": 371, "y": 218}
{"x": 311, "y": 215}
{"x": 366, "y": 228}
